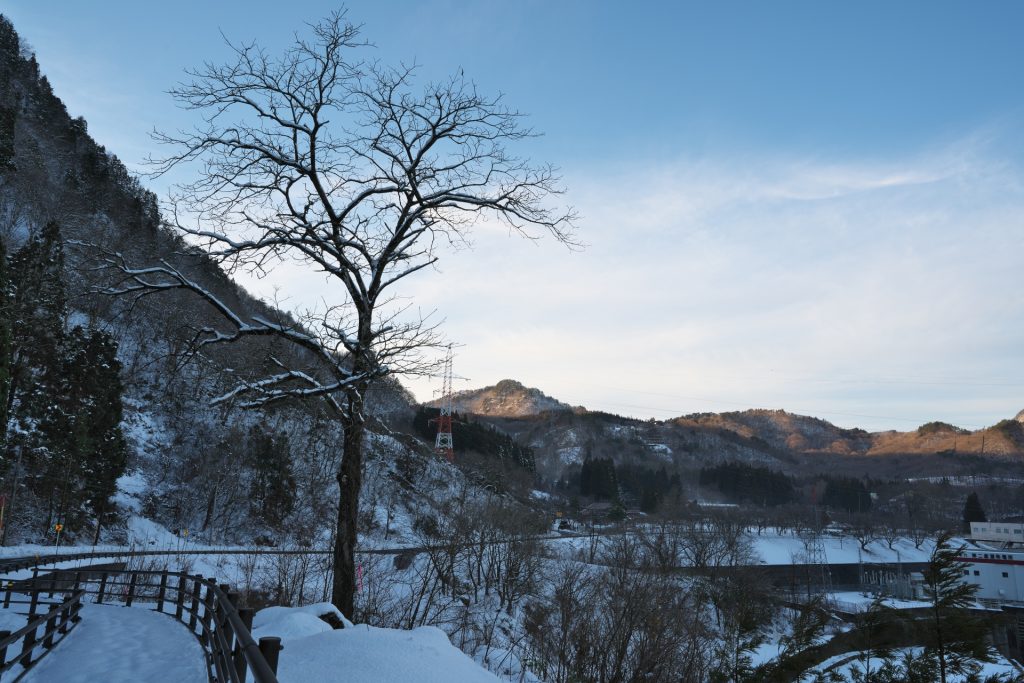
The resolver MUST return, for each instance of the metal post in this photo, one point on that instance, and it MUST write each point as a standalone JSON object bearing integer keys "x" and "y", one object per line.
{"x": 270, "y": 648}
{"x": 7, "y": 598}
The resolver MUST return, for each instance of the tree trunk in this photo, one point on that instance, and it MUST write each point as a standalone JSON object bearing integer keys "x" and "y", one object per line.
{"x": 350, "y": 475}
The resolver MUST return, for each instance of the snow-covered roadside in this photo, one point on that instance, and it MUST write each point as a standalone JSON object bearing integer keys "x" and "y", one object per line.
{"x": 316, "y": 653}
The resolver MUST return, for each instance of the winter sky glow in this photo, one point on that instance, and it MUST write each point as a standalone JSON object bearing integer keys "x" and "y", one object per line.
{"x": 802, "y": 205}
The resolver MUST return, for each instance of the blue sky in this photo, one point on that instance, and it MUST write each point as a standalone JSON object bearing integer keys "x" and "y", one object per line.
{"x": 804, "y": 205}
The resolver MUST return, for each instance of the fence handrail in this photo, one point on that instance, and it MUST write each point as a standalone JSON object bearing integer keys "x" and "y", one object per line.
{"x": 27, "y": 562}
{"x": 54, "y": 621}
{"x": 209, "y": 611}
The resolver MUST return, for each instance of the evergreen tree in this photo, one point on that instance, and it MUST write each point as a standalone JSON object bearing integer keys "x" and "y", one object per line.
{"x": 272, "y": 491}
{"x": 81, "y": 428}
{"x": 973, "y": 512}
{"x": 957, "y": 638}
{"x": 38, "y": 309}
{"x": 8, "y": 116}
{"x": 5, "y": 347}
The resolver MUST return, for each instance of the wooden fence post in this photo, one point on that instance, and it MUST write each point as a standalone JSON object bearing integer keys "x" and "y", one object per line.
{"x": 51, "y": 626}
{"x": 4, "y": 635}
{"x": 270, "y": 647}
{"x": 193, "y": 616}
{"x": 224, "y": 623}
{"x": 245, "y": 614}
{"x": 162, "y": 592}
{"x": 103, "y": 588}
{"x": 208, "y": 613}
{"x": 179, "y": 598}
{"x": 131, "y": 590}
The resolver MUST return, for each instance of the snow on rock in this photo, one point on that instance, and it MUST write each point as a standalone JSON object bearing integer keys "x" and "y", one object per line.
{"x": 315, "y": 653}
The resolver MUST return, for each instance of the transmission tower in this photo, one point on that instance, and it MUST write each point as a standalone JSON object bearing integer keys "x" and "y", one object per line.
{"x": 817, "y": 561}
{"x": 444, "y": 443}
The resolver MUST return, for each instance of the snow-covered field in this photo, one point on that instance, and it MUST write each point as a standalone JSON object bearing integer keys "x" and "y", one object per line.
{"x": 777, "y": 549}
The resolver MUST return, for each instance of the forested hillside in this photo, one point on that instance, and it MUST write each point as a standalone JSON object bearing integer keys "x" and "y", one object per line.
{"x": 105, "y": 401}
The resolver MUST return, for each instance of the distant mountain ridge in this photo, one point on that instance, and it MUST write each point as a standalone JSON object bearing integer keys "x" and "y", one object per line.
{"x": 507, "y": 398}
{"x": 564, "y": 436}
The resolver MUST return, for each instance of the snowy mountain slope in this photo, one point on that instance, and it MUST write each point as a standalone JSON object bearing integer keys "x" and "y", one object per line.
{"x": 224, "y": 473}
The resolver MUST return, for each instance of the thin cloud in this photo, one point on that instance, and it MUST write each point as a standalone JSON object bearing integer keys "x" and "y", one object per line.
{"x": 748, "y": 268}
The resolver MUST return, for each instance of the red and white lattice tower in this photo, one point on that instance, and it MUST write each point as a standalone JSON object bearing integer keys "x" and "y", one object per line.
{"x": 444, "y": 444}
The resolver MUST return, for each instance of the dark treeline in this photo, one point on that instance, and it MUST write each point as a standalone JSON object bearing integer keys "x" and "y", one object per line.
{"x": 62, "y": 445}
{"x": 602, "y": 479}
{"x": 846, "y": 493}
{"x": 742, "y": 483}
{"x": 476, "y": 437}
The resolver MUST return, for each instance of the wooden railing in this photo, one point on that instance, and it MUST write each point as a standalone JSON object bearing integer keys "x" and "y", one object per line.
{"x": 28, "y": 641}
{"x": 210, "y": 611}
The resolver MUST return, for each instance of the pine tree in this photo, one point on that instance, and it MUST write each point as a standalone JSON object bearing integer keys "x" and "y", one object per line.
{"x": 38, "y": 309}
{"x": 5, "y": 348}
{"x": 973, "y": 512}
{"x": 81, "y": 428}
{"x": 272, "y": 491}
{"x": 958, "y": 639}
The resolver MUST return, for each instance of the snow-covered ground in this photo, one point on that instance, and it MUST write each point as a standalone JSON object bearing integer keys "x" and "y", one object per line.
{"x": 316, "y": 653}
{"x": 839, "y": 663}
{"x": 854, "y": 601}
{"x": 774, "y": 548}
{"x": 116, "y": 644}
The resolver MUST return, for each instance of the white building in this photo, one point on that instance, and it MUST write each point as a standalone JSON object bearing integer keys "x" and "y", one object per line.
{"x": 1005, "y": 532}
{"x": 997, "y": 570}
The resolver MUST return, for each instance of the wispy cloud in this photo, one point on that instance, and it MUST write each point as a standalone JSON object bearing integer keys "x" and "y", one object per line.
{"x": 836, "y": 288}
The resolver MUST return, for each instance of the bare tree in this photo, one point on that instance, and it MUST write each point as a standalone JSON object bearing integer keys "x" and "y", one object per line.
{"x": 348, "y": 168}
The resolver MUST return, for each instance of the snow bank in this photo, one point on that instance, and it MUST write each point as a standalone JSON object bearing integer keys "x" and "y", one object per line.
{"x": 316, "y": 653}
